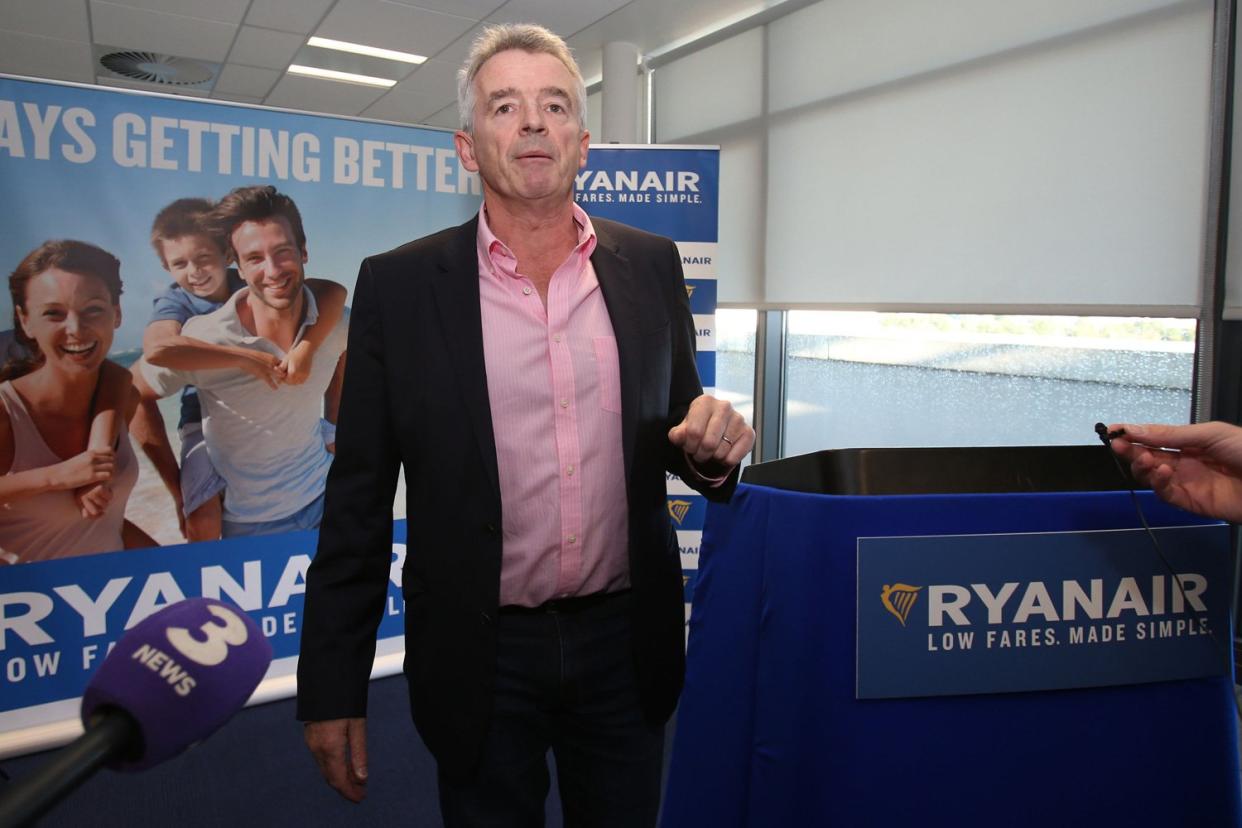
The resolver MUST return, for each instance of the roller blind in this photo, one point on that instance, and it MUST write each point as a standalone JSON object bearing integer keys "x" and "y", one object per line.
{"x": 960, "y": 154}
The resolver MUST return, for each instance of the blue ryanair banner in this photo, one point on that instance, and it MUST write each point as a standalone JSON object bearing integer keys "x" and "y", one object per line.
{"x": 672, "y": 191}
{"x": 61, "y": 617}
{"x": 951, "y": 615}
{"x": 97, "y": 165}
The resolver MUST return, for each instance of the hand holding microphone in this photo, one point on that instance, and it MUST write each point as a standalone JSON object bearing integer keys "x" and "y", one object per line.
{"x": 169, "y": 683}
{"x": 1195, "y": 467}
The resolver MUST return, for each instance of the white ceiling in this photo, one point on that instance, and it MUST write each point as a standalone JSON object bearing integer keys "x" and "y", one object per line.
{"x": 254, "y": 41}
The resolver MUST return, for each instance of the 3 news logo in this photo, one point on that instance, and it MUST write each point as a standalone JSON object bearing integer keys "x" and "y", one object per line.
{"x": 207, "y": 646}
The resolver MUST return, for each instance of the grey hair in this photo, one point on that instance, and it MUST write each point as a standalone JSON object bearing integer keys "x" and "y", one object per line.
{"x": 527, "y": 37}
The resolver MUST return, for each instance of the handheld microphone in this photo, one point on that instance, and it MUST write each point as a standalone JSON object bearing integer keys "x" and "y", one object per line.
{"x": 169, "y": 683}
{"x": 1106, "y": 436}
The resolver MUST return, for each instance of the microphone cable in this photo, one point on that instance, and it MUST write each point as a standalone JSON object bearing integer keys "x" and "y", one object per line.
{"x": 1107, "y": 437}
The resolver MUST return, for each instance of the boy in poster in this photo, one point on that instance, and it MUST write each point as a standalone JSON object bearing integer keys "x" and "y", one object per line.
{"x": 202, "y": 281}
{"x": 249, "y": 358}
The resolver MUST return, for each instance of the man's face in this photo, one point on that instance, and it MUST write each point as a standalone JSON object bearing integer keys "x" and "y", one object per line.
{"x": 270, "y": 261}
{"x": 527, "y": 144}
{"x": 197, "y": 264}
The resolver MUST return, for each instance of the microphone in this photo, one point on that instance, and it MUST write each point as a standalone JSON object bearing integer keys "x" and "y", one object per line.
{"x": 169, "y": 683}
{"x": 1106, "y": 436}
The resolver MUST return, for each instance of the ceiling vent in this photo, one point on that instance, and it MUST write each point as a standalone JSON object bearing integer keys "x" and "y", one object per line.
{"x": 159, "y": 70}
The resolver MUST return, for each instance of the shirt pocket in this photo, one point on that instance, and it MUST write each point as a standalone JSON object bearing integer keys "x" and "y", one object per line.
{"x": 608, "y": 373}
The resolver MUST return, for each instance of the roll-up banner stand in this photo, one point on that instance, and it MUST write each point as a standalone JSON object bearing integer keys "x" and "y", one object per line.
{"x": 96, "y": 165}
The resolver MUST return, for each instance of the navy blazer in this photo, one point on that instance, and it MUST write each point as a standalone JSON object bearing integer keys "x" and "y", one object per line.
{"x": 415, "y": 394}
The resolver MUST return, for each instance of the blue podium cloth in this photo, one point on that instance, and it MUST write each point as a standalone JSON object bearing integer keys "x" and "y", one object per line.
{"x": 769, "y": 731}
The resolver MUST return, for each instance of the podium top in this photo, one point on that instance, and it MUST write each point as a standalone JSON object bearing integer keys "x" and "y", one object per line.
{"x": 974, "y": 470}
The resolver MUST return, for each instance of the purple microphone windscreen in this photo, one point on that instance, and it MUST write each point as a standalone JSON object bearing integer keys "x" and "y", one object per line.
{"x": 180, "y": 673}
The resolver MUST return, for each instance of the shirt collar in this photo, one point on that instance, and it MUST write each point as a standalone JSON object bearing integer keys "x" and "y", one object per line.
{"x": 233, "y": 320}
{"x": 499, "y": 260}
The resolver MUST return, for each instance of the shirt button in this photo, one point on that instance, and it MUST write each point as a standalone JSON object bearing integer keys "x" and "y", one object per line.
{"x": 573, "y": 538}
{"x": 564, "y": 402}
{"x": 526, "y": 291}
{"x": 556, "y": 337}
{"x": 569, "y": 470}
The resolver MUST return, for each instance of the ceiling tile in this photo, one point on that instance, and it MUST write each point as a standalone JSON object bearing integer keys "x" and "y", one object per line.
{"x": 221, "y": 11}
{"x": 300, "y": 16}
{"x": 314, "y": 95}
{"x": 652, "y": 24}
{"x": 266, "y": 48}
{"x": 226, "y": 96}
{"x": 339, "y": 61}
{"x": 124, "y": 83}
{"x": 171, "y": 34}
{"x": 457, "y": 51}
{"x": 446, "y": 117}
{"x": 405, "y": 107}
{"x": 435, "y": 78}
{"x": 392, "y": 26}
{"x": 563, "y": 18}
{"x": 45, "y": 57}
{"x": 476, "y": 9}
{"x": 246, "y": 80}
{"x": 63, "y": 19}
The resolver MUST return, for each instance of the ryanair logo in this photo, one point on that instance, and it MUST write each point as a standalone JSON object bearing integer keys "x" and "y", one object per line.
{"x": 689, "y": 291}
{"x": 899, "y": 599}
{"x": 678, "y": 510}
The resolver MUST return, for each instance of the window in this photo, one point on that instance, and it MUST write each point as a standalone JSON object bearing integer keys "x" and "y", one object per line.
{"x": 735, "y": 361}
{"x": 901, "y": 379}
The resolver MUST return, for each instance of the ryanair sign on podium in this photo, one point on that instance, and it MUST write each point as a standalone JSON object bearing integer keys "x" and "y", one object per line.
{"x": 950, "y": 615}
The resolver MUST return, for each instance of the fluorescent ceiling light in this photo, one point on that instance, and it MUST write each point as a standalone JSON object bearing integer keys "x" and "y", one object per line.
{"x": 347, "y": 77}
{"x": 359, "y": 49}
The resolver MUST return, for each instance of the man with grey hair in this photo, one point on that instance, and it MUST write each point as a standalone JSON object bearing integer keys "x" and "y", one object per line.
{"x": 533, "y": 372}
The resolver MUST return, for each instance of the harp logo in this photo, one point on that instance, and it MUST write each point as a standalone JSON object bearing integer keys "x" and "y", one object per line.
{"x": 899, "y": 599}
{"x": 677, "y": 509}
{"x": 689, "y": 291}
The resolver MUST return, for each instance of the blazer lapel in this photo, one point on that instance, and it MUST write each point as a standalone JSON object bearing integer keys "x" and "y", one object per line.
{"x": 456, "y": 291}
{"x": 616, "y": 280}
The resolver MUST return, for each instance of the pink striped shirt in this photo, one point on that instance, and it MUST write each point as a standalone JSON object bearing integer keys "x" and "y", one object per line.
{"x": 554, "y": 384}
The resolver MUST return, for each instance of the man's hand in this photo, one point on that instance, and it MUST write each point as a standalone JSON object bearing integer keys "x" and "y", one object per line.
{"x": 340, "y": 749}
{"x": 713, "y": 432}
{"x": 1204, "y": 477}
{"x": 297, "y": 363}
{"x": 264, "y": 366}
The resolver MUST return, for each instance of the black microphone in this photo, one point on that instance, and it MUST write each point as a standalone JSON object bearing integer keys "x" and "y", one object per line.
{"x": 169, "y": 683}
{"x": 1106, "y": 436}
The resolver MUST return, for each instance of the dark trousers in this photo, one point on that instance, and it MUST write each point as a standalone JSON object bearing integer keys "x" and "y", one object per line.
{"x": 565, "y": 683}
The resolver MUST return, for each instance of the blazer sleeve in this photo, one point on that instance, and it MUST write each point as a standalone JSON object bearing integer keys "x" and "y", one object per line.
{"x": 347, "y": 582}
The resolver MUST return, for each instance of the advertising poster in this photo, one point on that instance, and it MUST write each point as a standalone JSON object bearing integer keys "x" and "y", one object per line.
{"x": 94, "y": 168}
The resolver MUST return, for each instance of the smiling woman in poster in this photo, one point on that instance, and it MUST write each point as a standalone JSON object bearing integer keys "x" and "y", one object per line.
{"x": 67, "y": 467}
